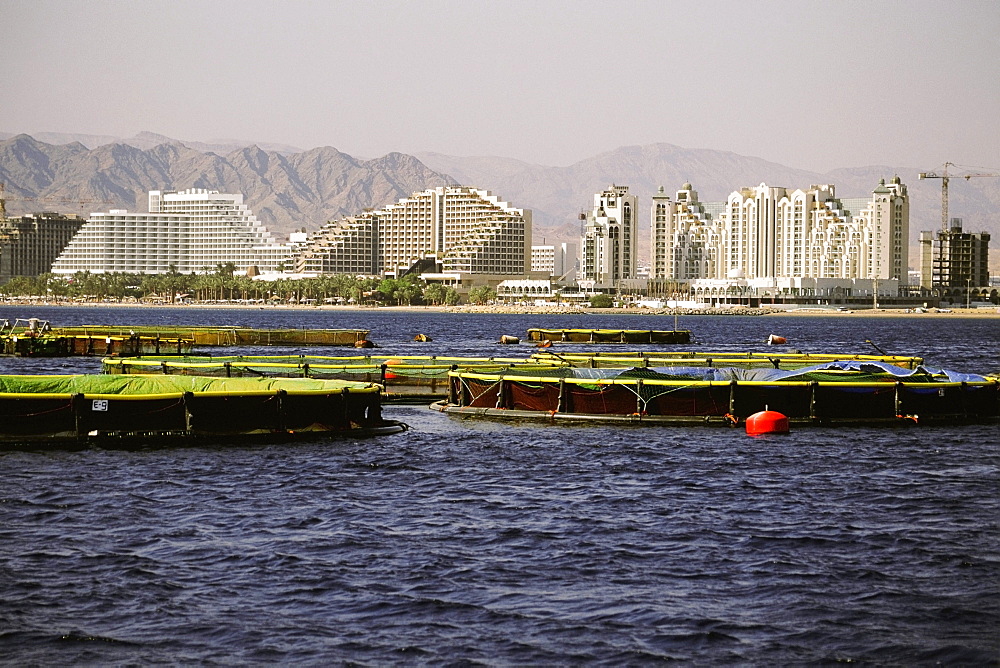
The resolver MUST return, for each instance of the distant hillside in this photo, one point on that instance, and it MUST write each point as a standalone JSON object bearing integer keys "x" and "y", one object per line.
{"x": 290, "y": 189}
{"x": 558, "y": 194}
{"x": 286, "y": 192}
{"x": 146, "y": 140}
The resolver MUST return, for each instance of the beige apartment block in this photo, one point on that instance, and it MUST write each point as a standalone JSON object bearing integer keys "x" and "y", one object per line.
{"x": 772, "y": 232}
{"x": 453, "y": 230}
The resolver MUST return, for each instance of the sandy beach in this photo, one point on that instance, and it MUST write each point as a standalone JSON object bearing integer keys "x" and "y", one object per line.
{"x": 522, "y": 309}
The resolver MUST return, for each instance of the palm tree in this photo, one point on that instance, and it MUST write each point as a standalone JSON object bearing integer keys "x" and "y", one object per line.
{"x": 172, "y": 282}
{"x": 244, "y": 284}
{"x": 435, "y": 293}
{"x": 481, "y": 294}
{"x": 225, "y": 273}
{"x": 153, "y": 284}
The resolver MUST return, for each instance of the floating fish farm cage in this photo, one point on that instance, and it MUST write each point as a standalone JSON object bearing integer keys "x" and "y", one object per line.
{"x": 404, "y": 378}
{"x": 834, "y": 392}
{"x": 225, "y": 336}
{"x": 609, "y": 335}
{"x": 110, "y": 411}
{"x": 84, "y": 345}
{"x": 418, "y": 378}
{"x": 748, "y": 360}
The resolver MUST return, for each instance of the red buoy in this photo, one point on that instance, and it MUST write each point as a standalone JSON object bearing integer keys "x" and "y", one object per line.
{"x": 767, "y": 422}
{"x": 389, "y": 375}
{"x": 775, "y": 340}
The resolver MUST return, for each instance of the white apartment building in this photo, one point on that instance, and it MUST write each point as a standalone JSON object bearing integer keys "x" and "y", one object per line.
{"x": 766, "y": 232}
{"x": 464, "y": 230}
{"x": 543, "y": 259}
{"x": 557, "y": 260}
{"x": 610, "y": 238}
{"x": 684, "y": 241}
{"x": 521, "y": 289}
{"x": 193, "y": 231}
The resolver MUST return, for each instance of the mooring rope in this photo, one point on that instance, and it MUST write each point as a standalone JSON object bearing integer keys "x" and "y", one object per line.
{"x": 475, "y": 397}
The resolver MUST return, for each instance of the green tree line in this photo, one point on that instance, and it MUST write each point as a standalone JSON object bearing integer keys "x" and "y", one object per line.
{"x": 219, "y": 284}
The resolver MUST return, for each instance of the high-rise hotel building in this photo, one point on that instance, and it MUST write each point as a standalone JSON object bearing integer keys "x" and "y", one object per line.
{"x": 458, "y": 230}
{"x": 30, "y": 244}
{"x": 192, "y": 231}
{"x": 768, "y": 232}
{"x": 610, "y": 238}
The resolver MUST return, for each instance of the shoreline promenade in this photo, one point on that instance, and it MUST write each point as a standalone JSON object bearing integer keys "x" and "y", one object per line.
{"x": 524, "y": 309}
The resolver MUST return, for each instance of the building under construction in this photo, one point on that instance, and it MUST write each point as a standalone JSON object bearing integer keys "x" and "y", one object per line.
{"x": 954, "y": 259}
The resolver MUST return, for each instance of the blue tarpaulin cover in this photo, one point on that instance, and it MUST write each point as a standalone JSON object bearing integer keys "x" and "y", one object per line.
{"x": 844, "y": 370}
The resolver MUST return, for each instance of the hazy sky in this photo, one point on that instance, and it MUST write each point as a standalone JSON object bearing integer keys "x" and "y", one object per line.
{"x": 814, "y": 85}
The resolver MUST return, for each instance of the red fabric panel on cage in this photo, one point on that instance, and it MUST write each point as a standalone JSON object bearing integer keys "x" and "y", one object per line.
{"x": 609, "y": 400}
{"x": 480, "y": 393}
{"x": 690, "y": 401}
{"x": 532, "y": 398}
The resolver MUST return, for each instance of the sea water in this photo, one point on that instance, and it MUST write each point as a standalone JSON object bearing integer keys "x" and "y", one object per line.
{"x": 467, "y": 541}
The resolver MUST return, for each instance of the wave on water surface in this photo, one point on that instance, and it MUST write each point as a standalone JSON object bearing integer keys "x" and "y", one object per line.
{"x": 473, "y": 541}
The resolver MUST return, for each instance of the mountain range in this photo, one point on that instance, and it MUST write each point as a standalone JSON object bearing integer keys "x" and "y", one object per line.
{"x": 291, "y": 189}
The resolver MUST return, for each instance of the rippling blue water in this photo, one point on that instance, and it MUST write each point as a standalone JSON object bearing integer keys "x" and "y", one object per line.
{"x": 466, "y": 541}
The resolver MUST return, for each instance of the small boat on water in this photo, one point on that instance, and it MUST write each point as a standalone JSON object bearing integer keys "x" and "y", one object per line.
{"x": 831, "y": 393}
{"x": 609, "y": 335}
{"x": 123, "y": 411}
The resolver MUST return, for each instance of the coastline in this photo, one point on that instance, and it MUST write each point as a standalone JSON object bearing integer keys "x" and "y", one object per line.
{"x": 546, "y": 310}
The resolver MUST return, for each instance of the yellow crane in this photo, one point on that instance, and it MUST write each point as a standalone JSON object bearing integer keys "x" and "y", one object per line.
{"x": 944, "y": 175}
{"x": 53, "y": 200}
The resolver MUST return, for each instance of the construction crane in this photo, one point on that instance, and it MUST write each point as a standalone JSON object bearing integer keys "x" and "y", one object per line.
{"x": 945, "y": 176}
{"x": 941, "y": 274}
{"x": 54, "y": 200}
